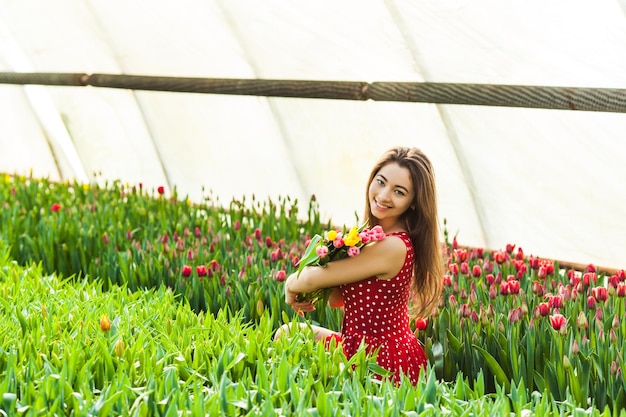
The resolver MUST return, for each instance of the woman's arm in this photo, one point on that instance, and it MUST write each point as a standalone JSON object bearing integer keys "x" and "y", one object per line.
{"x": 382, "y": 259}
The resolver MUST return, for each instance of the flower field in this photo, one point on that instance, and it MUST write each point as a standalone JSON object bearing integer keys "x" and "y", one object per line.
{"x": 124, "y": 301}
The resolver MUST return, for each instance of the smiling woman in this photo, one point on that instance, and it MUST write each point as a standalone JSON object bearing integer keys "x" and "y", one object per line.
{"x": 403, "y": 270}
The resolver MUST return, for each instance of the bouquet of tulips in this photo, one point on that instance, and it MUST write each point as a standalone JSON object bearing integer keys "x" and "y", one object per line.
{"x": 335, "y": 245}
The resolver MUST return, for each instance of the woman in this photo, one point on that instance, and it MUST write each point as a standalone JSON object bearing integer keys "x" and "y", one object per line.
{"x": 377, "y": 287}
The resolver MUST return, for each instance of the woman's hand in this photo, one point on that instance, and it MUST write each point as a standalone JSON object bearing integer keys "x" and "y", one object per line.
{"x": 291, "y": 298}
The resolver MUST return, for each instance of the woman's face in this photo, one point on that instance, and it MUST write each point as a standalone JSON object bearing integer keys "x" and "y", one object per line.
{"x": 391, "y": 192}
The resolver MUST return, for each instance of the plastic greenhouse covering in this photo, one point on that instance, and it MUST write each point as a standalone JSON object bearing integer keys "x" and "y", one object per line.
{"x": 550, "y": 181}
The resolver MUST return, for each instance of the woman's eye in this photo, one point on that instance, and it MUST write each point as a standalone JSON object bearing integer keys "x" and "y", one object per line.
{"x": 400, "y": 192}
{"x": 380, "y": 182}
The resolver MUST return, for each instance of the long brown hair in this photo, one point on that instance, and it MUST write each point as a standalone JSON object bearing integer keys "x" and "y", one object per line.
{"x": 421, "y": 223}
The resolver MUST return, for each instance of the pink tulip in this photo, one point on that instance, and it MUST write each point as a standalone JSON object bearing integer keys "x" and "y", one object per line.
{"x": 321, "y": 251}
{"x": 201, "y": 270}
{"x": 377, "y": 233}
{"x": 515, "y": 315}
{"x": 353, "y": 251}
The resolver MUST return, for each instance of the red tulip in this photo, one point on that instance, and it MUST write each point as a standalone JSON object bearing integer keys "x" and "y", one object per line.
{"x": 556, "y": 301}
{"x": 464, "y": 268}
{"x": 201, "y": 270}
{"x": 589, "y": 278}
{"x": 499, "y": 257}
{"x": 538, "y": 288}
{"x": 161, "y": 190}
{"x": 544, "y": 309}
{"x": 533, "y": 262}
{"x": 600, "y": 293}
{"x": 421, "y": 323}
{"x": 281, "y": 275}
{"x": 542, "y": 272}
{"x": 621, "y": 290}
{"x": 55, "y": 207}
{"x": 514, "y": 287}
{"x": 460, "y": 255}
{"x": 558, "y": 322}
{"x": 186, "y": 271}
{"x": 490, "y": 279}
{"x": 510, "y": 247}
{"x": 591, "y": 302}
{"x": 477, "y": 271}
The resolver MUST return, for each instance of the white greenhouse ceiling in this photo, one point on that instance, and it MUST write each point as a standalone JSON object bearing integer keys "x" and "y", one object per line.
{"x": 550, "y": 181}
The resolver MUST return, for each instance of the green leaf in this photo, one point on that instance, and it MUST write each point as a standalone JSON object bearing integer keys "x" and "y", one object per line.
{"x": 495, "y": 368}
{"x": 310, "y": 256}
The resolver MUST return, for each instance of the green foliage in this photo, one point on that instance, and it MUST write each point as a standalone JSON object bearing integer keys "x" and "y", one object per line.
{"x": 194, "y": 296}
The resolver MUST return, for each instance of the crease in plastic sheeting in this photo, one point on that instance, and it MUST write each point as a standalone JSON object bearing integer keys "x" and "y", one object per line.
{"x": 46, "y": 112}
{"x": 446, "y": 121}
{"x": 270, "y": 102}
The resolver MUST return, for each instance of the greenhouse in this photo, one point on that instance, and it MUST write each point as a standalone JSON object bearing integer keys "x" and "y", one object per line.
{"x": 132, "y": 170}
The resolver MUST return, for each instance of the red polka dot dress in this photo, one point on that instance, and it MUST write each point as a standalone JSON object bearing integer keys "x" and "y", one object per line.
{"x": 376, "y": 312}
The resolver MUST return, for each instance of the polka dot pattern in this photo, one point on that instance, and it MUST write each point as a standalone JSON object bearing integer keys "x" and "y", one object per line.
{"x": 376, "y": 312}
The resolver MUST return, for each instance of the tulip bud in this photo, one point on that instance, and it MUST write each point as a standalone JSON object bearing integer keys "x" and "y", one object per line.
{"x": 614, "y": 368}
{"x": 615, "y": 323}
{"x": 599, "y": 314}
{"x": 119, "y": 348}
{"x": 105, "y": 323}
{"x": 581, "y": 321}
{"x": 566, "y": 363}
{"x": 574, "y": 350}
{"x": 612, "y": 335}
{"x": 591, "y": 302}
